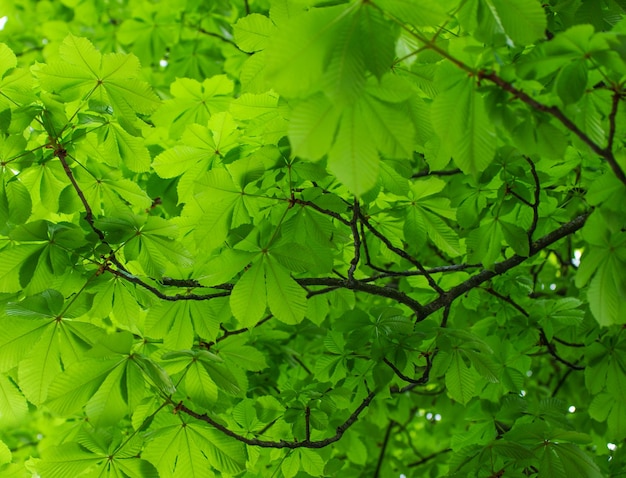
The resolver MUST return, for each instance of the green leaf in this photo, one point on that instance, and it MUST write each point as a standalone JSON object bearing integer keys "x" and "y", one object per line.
{"x": 460, "y": 119}
{"x": 344, "y": 78}
{"x": 199, "y": 386}
{"x": 244, "y": 356}
{"x": 300, "y": 49}
{"x": 312, "y": 127}
{"x": 516, "y": 237}
{"x": 253, "y": 31}
{"x": 65, "y": 460}
{"x": 290, "y": 464}
{"x": 523, "y": 21}
{"x": 287, "y": 300}
{"x": 353, "y": 158}
{"x": 72, "y": 389}
{"x": 575, "y": 462}
{"x": 7, "y": 59}
{"x": 430, "y": 13}
{"x": 112, "y": 78}
{"x": 177, "y": 449}
{"x": 606, "y": 294}
{"x": 107, "y": 406}
{"x": 13, "y": 405}
{"x": 12, "y": 259}
{"x": 5, "y": 454}
{"x": 40, "y": 366}
{"x": 571, "y": 82}
{"x": 459, "y": 380}
{"x": 248, "y": 298}
{"x": 155, "y": 373}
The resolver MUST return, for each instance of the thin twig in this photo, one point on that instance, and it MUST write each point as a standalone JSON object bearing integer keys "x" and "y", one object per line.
{"x": 403, "y": 254}
{"x": 307, "y": 423}
{"x": 552, "y": 350}
{"x": 429, "y": 457}
{"x": 536, "y": 199}
{"x": 383, "y": 448}
{"x": 340, "y": 430}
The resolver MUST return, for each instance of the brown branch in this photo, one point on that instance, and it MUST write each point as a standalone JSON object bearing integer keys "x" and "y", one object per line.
{"x": 567, "y": 344}
{"x": 340, "y": 430}
{"x": 356, "y": 239}
{"x": 502, "y": 267}
{"x": 446, "y": 172}
{"x": 122, "y": 273}
{"x": 61, "y": 154}
{"x": 616, "y": 98}
{"x": 307, "y": 423}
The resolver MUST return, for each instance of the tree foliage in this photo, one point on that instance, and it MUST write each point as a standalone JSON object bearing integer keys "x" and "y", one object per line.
{"x": 299, "y": 238}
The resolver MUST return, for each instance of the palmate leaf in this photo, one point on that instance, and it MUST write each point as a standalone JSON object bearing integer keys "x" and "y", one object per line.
{"x": 461, "y": 122}
{"x": 198, "y": 146}
{"x": 72, "y": 389}
{"x": 565, "y": 460}
{"x": 190, "y": 449}
{"x": 63, "y": 461}
{"x": 193, "y": 102}
{"x": 179, "y": 322}
{"x": 95, "y": 454}
{"x": 112, "y": 78}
